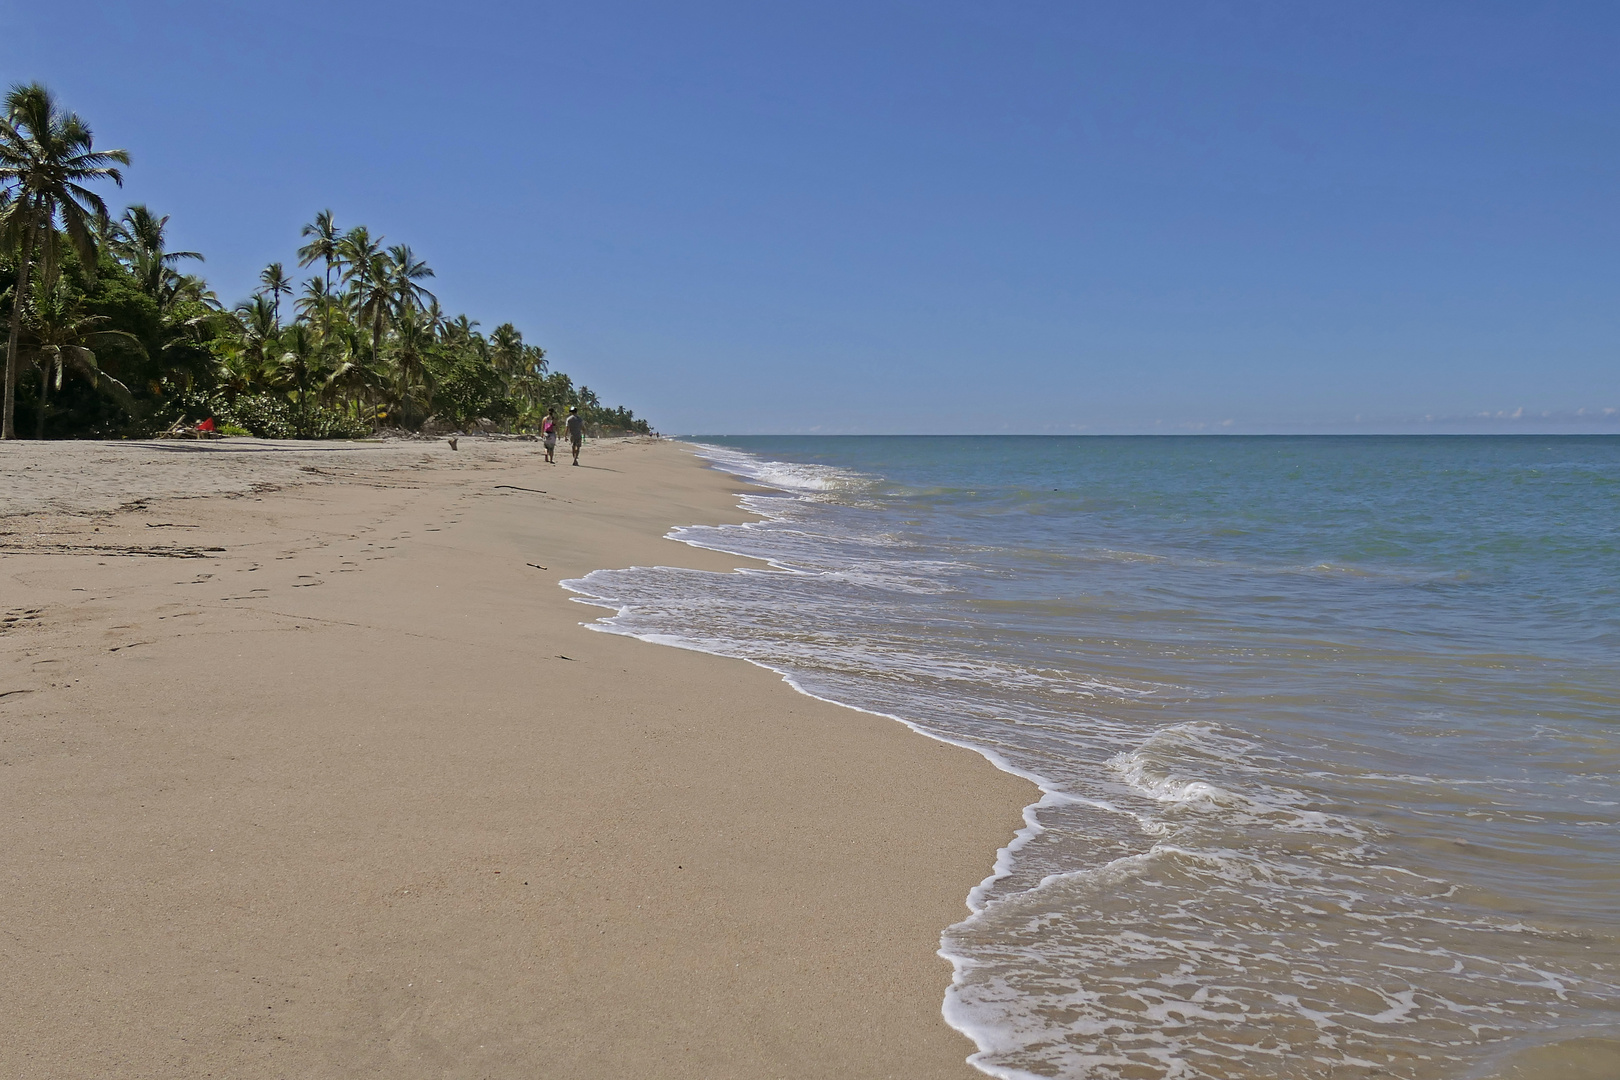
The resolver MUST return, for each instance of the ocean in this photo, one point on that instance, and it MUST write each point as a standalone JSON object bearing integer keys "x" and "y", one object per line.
{"x": 1328, "y": 729}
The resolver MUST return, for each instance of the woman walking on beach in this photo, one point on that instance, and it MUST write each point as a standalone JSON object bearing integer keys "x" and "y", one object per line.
{"x": 548, "y": 429}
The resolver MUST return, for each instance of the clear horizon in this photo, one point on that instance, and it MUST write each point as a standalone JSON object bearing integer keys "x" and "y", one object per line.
{"x": 1462, "y": 429}
{"x": 903, "y": 219}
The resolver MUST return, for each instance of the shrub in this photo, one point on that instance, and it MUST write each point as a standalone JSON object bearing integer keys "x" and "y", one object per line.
{"x": 268, "y": 416}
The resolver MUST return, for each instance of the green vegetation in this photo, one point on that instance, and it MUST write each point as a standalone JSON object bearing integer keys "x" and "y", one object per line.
{"x": 108, "y": 335}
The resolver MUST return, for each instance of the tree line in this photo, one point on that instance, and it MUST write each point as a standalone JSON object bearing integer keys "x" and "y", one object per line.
{"x": 109, "y": 333}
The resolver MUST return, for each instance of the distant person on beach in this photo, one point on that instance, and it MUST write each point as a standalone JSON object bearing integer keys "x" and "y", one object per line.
{"x": 548, "y": 428}
{"x": 576, "y": 430}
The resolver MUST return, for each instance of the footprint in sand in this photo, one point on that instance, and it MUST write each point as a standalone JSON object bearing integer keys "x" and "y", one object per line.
{"x": 18, "y": 618}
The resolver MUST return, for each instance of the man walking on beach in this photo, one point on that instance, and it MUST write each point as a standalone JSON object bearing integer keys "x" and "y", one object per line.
{"x": 576, "y": 430}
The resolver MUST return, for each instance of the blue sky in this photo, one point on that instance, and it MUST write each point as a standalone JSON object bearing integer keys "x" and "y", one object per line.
{"x": 908, "y": 217}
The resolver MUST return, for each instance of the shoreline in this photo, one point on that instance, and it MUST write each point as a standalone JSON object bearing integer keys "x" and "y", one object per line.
{"x": 1050, "y": 795}
{"x": 830, "y": 848}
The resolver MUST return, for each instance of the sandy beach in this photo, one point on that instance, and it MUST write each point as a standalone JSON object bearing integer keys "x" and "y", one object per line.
{"x": 307, "y": 768}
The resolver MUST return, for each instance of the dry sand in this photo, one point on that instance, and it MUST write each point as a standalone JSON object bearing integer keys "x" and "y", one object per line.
{"x": 306, "y": 772}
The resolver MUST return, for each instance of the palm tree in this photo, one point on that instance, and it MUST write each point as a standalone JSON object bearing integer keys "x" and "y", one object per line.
{"x": 47, "y": 157}
{"x": 273, "y": 280}
{"x": 191, "y": 316}
{"x": 534, "y": 360}
{"x": 346, "y": 383}
{"x": 434, "y": 316}
{"x": 354, "y": 250}
{"x": 350, "y": 346}
{"x": 189, "y": 313}
{"x": 459, "y": 330}
{"x": 323, "y": 245}
{"x": 138, "y": 238}
{"x": 366, "y": 273}
{"x": 237, "y": 370}
{"x": 299, "y": 361}
{"x": 530, "y": 373}
{"x": 257, "y": 335}
{"x": 415, "y": 337}
{"x": 506, "y": 348}
{"x": 506, "y": 354}
{"x": 61, "y": 337}
{"x": 404, "y": 271}
{"x": 374, "y": 300}
{"x": 317, "y": 300}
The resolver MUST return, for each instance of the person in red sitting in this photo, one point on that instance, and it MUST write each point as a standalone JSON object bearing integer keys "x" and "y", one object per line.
{"x": 206, "y": 425}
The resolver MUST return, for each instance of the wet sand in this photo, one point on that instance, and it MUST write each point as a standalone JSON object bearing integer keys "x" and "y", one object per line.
{"x": 307, "y": 768}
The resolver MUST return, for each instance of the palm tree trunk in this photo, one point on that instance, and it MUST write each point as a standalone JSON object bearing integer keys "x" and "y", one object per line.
{"x": 8, "y": 414}
{"x": 376, "y": 335}
{"x": 44, "y": 393}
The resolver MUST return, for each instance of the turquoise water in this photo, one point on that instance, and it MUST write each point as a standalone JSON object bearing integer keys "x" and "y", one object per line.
{"x": 1329, "y": 729}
